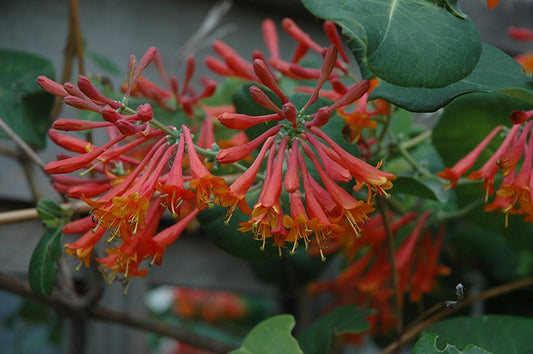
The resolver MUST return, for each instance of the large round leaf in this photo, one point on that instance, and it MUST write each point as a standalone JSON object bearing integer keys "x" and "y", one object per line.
{"x": 25, "y": 106}
{"x": 495, "y": 72}
{"x": 405, "y": 42}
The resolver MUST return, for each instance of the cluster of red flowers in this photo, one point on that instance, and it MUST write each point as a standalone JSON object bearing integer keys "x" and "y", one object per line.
{"x": 146, "y": 168}
{"x": 512, "y": 158}
{"x": 367, "y": 280}
{"x": 514, "y": 194}
{"x": 139, "y": 173}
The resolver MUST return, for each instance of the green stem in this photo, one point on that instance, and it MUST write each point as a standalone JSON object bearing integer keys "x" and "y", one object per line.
{"x": 420, "y": 138}
{"x": 382, "y": 207}
{"x": 405, "y": 154}
{"x": 446, "y": 215}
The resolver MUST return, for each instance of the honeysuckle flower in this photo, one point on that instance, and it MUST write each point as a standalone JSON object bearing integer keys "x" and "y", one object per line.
{"x": 367, "y": 279}
{"x": 238, "y": 189}
{"x": 488, "y": 171}
{"x": 265, "y": 214}
{"x": 234, "y": 65}
{"x": 209, "y": 188}
{"x": 462, "y": 166}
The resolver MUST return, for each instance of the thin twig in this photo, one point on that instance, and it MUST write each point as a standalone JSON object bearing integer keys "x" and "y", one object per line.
{"x": 487, "y": 294}
{"x": 7, "y": 217}
{"x": 27, "y": 167}
{"x": 67, "y": 307}
{"x": 22, "y": 144}
{"x": 382, "y": 207}
{"x": 76, "y": 32}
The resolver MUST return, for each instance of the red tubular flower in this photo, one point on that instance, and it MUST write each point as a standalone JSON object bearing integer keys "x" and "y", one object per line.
{"x": 488, "y": 171}
{"x": 292, "y": 179}
{"x": 166, "y": 237}
{"x": 173, "y": 192}
{"x": 266, "y": 212}
{"x": 77, "y": 162}
{"x": 208, "y": 188}
{"x": 520, "y": 33}
{"x": 52, "y": 87}
{"x": 510, "y": 158}
{"x": 354, "y": 211}
{"x": 238, "y": 189}
{"x": 462, "y": 166}
{"x": 363, "y": 172}
{"x": 297, "y": 223}
{"x": 237, "y": 153}
{"x": 519, "y": 117}
{"x": 78, "y": 125}
{"x": 83, "y": 247}
{"x": 244, "y": 121}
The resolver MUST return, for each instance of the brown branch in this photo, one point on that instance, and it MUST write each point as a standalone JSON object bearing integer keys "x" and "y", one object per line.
{"x": 487, "y": 294}
{"x": 76, "y": 33}
{"x": 7, "y": 217}
{"x": 22, "y": 144}
{"x": 68, "y": 307}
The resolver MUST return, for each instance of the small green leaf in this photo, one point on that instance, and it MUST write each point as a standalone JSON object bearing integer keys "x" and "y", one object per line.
{"x": 316, "y": 339}
{"x": 428, "y": 345}
{"x": 42, "y": 272}
{"x": 493, "y": 333}
{"x": 405, "y": 42}
{"x": 495, "y": 72}
{"x": 24, "y": 105}
{"x": 51, "y": 213}
{"x": 272, "y": 336}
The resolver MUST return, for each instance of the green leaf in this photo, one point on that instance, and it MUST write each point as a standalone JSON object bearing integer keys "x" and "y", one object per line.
{"x": 428, "y": 187}
{"x": 271, "y": 336}
{"x": 493, "y": 333}
{"x": 316, "y": 339}
{"x": 405, "y": 42}
{"x": 42, "y": 272}
{"x": 228, "y": 238}
{"x": 51, "y": 213}
{"x": 428, "y": 345}
{"x": 495, "y": 72}
{"x": 24, "y": 106}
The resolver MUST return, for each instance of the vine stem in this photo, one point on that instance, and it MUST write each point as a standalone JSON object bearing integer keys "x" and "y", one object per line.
{"x": 73, "y": 308}
{"x": 487, "y": 294}
{"x": 25, "y": 147}
{"x": 7, "y": 217}
{"x": 382, "y": 207}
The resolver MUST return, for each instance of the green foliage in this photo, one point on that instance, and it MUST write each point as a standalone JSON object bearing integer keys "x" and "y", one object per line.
{"x": 428, "y": 345}
{"x": 493, "y": 333}
{"x": 423, "y": 187}
{"x": 272, "y": 336}
{"x": 317, "y": 338}
{"x": 43, "y": 270}
{"x": 229, "y": 239}
{"x": 24, "y": 105}
{"x": 411, "y": 43}
{"x": 495, "y": 72}
{"x": 51, "y": 213}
